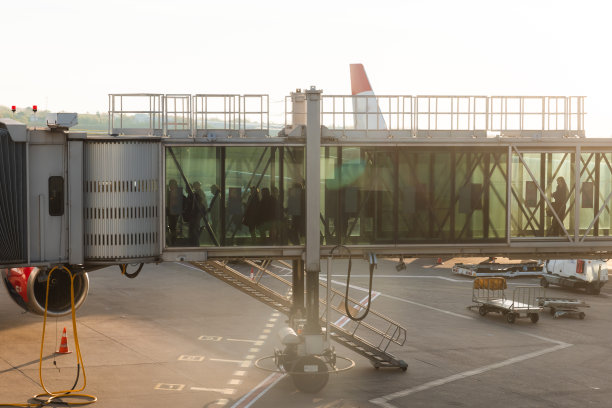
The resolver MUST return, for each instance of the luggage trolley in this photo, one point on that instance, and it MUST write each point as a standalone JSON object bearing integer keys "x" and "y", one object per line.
{"x": 489, "y": 294}
{"x": 562, "y": 306}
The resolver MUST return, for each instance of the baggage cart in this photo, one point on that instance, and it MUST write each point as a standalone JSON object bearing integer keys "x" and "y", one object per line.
{"x": 489, "y": 295}
{"x": 562, "y": 306}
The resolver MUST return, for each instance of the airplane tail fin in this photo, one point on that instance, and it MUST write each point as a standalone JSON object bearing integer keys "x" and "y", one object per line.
{"x": 366, "y": 111}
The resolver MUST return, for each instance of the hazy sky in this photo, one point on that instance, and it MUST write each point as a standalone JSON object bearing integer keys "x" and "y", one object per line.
{"x": 68, "y": 55}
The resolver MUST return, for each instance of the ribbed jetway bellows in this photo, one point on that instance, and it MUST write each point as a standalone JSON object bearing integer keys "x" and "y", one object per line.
{"x": 121, "y": 200}
{"x": 13, "y": 207}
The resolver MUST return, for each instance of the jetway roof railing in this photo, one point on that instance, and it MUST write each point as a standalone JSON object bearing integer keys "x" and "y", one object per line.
{"x": 210, "y": 116}
{"x": 428, "y": 116}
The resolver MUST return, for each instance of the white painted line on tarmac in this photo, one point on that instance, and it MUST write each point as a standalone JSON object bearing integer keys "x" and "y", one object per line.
{"x": 226, "y": 391}
{"x": 220, "y": 360}
{"x": 246, "y": 341}
{"x": 245, "y": 364}
{"x": 409, "y": 301}
{"x": 170, "y": 387}
{"x": 384, "y": 400}
{"x": 239, "y": 373}
{"x": 221, "y": 402}
{"x": 252, "y": 396}
{"x": 235, "y": 381}
{"x": 254, "y": 350}
{"x": 446, "y": 278}
{"x": 263, "y": 337}
{"x": 342, "y": 321}
{"x": 428, "y": 307}
{"x": 210, "y": 338}
{"x": 266, "y": 331}
{"x": 191, "y": 358}
{"x": 273, "y": 319}
{"x": 270, "y": 325}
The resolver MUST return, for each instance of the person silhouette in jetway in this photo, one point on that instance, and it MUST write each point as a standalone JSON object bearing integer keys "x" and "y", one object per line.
{"x": 174, "y": 208}
{"x": 251, "y": 212}
{"x": 196, "y": 212}
{"x": 559, "y": 196}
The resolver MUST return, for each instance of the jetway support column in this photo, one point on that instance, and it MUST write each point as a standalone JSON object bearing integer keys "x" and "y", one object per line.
{"x": 298, "y": 290}
{"x": 313, "y": 204}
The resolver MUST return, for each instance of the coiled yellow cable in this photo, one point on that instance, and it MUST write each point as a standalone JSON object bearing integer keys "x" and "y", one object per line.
{"x": 49, "y": 397}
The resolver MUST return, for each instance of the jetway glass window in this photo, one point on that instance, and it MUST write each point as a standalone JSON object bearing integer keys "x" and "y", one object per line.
{"x": 357, "y": 197}
{"x": 452, "y": 196}
{"x": 543, "y": 194}
{"x": 228, "y": 196}
{"x": 193, "y": 196}
{"x": 595, "y": 194}
{"x": 407, "y": 195}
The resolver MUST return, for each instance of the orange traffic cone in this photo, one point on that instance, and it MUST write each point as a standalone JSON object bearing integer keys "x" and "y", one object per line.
{"x": 63, "y": 349}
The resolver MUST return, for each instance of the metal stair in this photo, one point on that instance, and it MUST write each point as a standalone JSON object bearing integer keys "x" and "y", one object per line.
{"x": 357, "y": 336}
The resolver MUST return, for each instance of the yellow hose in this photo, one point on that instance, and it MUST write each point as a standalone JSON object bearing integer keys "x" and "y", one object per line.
{"x": 48, "y": 397}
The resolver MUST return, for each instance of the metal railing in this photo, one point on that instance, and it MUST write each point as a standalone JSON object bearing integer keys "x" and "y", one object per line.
{"x": 454, "y": 115}
{"x": 208, "y": 116}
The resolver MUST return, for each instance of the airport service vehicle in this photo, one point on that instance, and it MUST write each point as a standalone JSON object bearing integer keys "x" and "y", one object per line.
{"x": 576, "y": 273}
{"x": 489, "y": 295}
{"x": 562, "y": 306}
{"x": 491, "y": 268}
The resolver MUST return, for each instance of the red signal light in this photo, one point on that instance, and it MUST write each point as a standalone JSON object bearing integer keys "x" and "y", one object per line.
{"x": 34, "y": 108}
{"x": 13, "y": 108}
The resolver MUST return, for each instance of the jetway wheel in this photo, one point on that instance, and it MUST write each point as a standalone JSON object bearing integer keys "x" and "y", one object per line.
{"x": 309, "y": 374}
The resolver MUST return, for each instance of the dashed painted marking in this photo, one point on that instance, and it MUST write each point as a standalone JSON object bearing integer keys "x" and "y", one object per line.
{"x": 210, "y": 338}
{"x": 269, "y": 325}
{"x": 239, "y": 373}
{"x": 235, "y": 381}
{"x": 245, "y": 364}
{"x": 259, "y": 343}
{"x": 254, "y": 350}
{"x": 263, "y": 337}
{"x": 221, "y": 402}
{"x": 249, "y": 357}
{"x": 221, "y": 360}
{"x": 275, "y": 314}
{"x": 272, "y": 319}
{"x": 257, "y": 392}
{"x": 245, "y": 341}
{"x": 226, "y": 391}
{"x": 191, "y": 358}
{"x": 266, "y": 331}
{"x": 170, "y": 387}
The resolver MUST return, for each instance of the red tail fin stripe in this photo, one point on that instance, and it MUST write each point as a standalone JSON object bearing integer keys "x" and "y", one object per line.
{"x": 359, "y": 80}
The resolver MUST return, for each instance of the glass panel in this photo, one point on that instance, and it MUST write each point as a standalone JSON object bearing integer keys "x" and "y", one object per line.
{"x": 413, "y": 196}
{"x": 192, "y": 196}
{"x": 251, "y": 175}
{"x": 245, "y": 196}
{"x": 293, "y": 218}
{"x": 596, "y": 189}
{"x": 551, "y": 174}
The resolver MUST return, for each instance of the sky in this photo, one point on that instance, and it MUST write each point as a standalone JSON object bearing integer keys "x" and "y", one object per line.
{"x": 68, "y": 55}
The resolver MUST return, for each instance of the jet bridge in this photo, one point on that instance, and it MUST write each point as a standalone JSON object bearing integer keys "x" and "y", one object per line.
{"x": 205, "y": 179}
{"x": 447, "y": 175}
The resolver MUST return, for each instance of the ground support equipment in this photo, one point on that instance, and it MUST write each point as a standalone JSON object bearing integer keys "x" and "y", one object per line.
{"x": 489, "y": 295}
{"x": 562, "y": 306}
